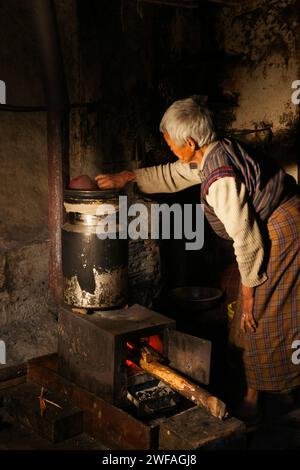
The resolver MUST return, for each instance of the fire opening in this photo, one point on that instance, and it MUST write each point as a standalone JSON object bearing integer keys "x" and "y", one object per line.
{"x": 134, "y": 349}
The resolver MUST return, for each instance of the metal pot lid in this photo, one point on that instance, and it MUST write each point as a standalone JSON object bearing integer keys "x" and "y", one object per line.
{"x": 72, "y": 195}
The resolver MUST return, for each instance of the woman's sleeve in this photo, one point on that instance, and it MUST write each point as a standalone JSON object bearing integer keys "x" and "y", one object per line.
{"x": 228, "y": 197}
{"x": 168, "y": 178}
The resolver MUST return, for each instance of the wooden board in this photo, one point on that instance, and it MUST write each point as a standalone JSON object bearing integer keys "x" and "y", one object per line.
{"x": 12, "y": 372}
{"x": 101, "y": 420}
{"x": 12, "y": 382}
{"x": 10, "y": 376}
{"x": 196, "y": 429}
{"x": 56, "y": 424}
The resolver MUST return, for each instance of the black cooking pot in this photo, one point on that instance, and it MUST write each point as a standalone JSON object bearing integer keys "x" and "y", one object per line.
{"x": 94, "y": 268}
{"x": 196, "y": 298}
{"x": 197, "y": 310}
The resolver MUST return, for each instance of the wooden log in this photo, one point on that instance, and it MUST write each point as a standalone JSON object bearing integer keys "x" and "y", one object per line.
{"x": 183, "y": 386}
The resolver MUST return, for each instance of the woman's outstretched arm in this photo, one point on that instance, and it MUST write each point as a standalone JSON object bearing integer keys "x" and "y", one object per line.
{"x": 168, "y": 178}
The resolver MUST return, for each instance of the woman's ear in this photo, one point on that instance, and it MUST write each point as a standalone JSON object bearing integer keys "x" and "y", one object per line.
{"x": 191, "y": 143}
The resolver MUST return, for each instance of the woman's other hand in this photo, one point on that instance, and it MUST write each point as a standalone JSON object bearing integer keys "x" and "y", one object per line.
{"x": 247, "y": 321}
{"x": 114, "y": 180}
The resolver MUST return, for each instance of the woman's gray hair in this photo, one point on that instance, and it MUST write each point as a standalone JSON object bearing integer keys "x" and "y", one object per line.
{"x": 189, "y": 118}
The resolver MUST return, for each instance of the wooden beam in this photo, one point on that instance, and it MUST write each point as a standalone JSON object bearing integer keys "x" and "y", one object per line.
{"x": 10, "y": 376}
{"x": 12, "y": 372}
{"x": 195, "y": 429}
{"x": 12, "y": 382}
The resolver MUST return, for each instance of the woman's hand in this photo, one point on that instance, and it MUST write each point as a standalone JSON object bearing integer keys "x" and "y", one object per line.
{"x": 247, "y": 320}
{"x": 114, "y": 180}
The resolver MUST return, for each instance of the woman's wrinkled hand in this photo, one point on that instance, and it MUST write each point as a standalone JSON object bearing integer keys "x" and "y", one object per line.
{"x": 248, "y": 322}
{"x": 114, "y": 180}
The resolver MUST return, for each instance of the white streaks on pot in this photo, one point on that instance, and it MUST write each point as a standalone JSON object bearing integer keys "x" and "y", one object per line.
{"x": 106, "y": 293}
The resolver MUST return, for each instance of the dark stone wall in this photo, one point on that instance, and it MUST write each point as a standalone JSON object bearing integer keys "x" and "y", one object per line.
{"x": 261, "y": 45}
{"x": 23, "y": 169}
{"x": 135, "y": 59}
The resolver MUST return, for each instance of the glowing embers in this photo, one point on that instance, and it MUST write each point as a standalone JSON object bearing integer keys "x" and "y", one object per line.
{"x": 153, "y": 398}
{"x": 135, "y": 349}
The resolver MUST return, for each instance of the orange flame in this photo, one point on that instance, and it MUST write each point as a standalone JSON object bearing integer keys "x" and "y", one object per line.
{"x": 154, "y": 341}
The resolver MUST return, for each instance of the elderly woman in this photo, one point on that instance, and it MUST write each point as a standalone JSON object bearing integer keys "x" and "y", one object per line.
{"x": 255, "y": 205}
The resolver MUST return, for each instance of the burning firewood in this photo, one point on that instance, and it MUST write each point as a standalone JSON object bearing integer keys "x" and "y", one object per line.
{"x": 150, "y": 361}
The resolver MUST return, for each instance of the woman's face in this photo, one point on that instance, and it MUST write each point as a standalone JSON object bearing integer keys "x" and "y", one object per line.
{"x": 186, "y": 153}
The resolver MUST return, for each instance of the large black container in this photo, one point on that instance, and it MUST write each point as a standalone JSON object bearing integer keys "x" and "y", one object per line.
{"x": 94, "y": 269}
{"x": 197, "y": 310}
